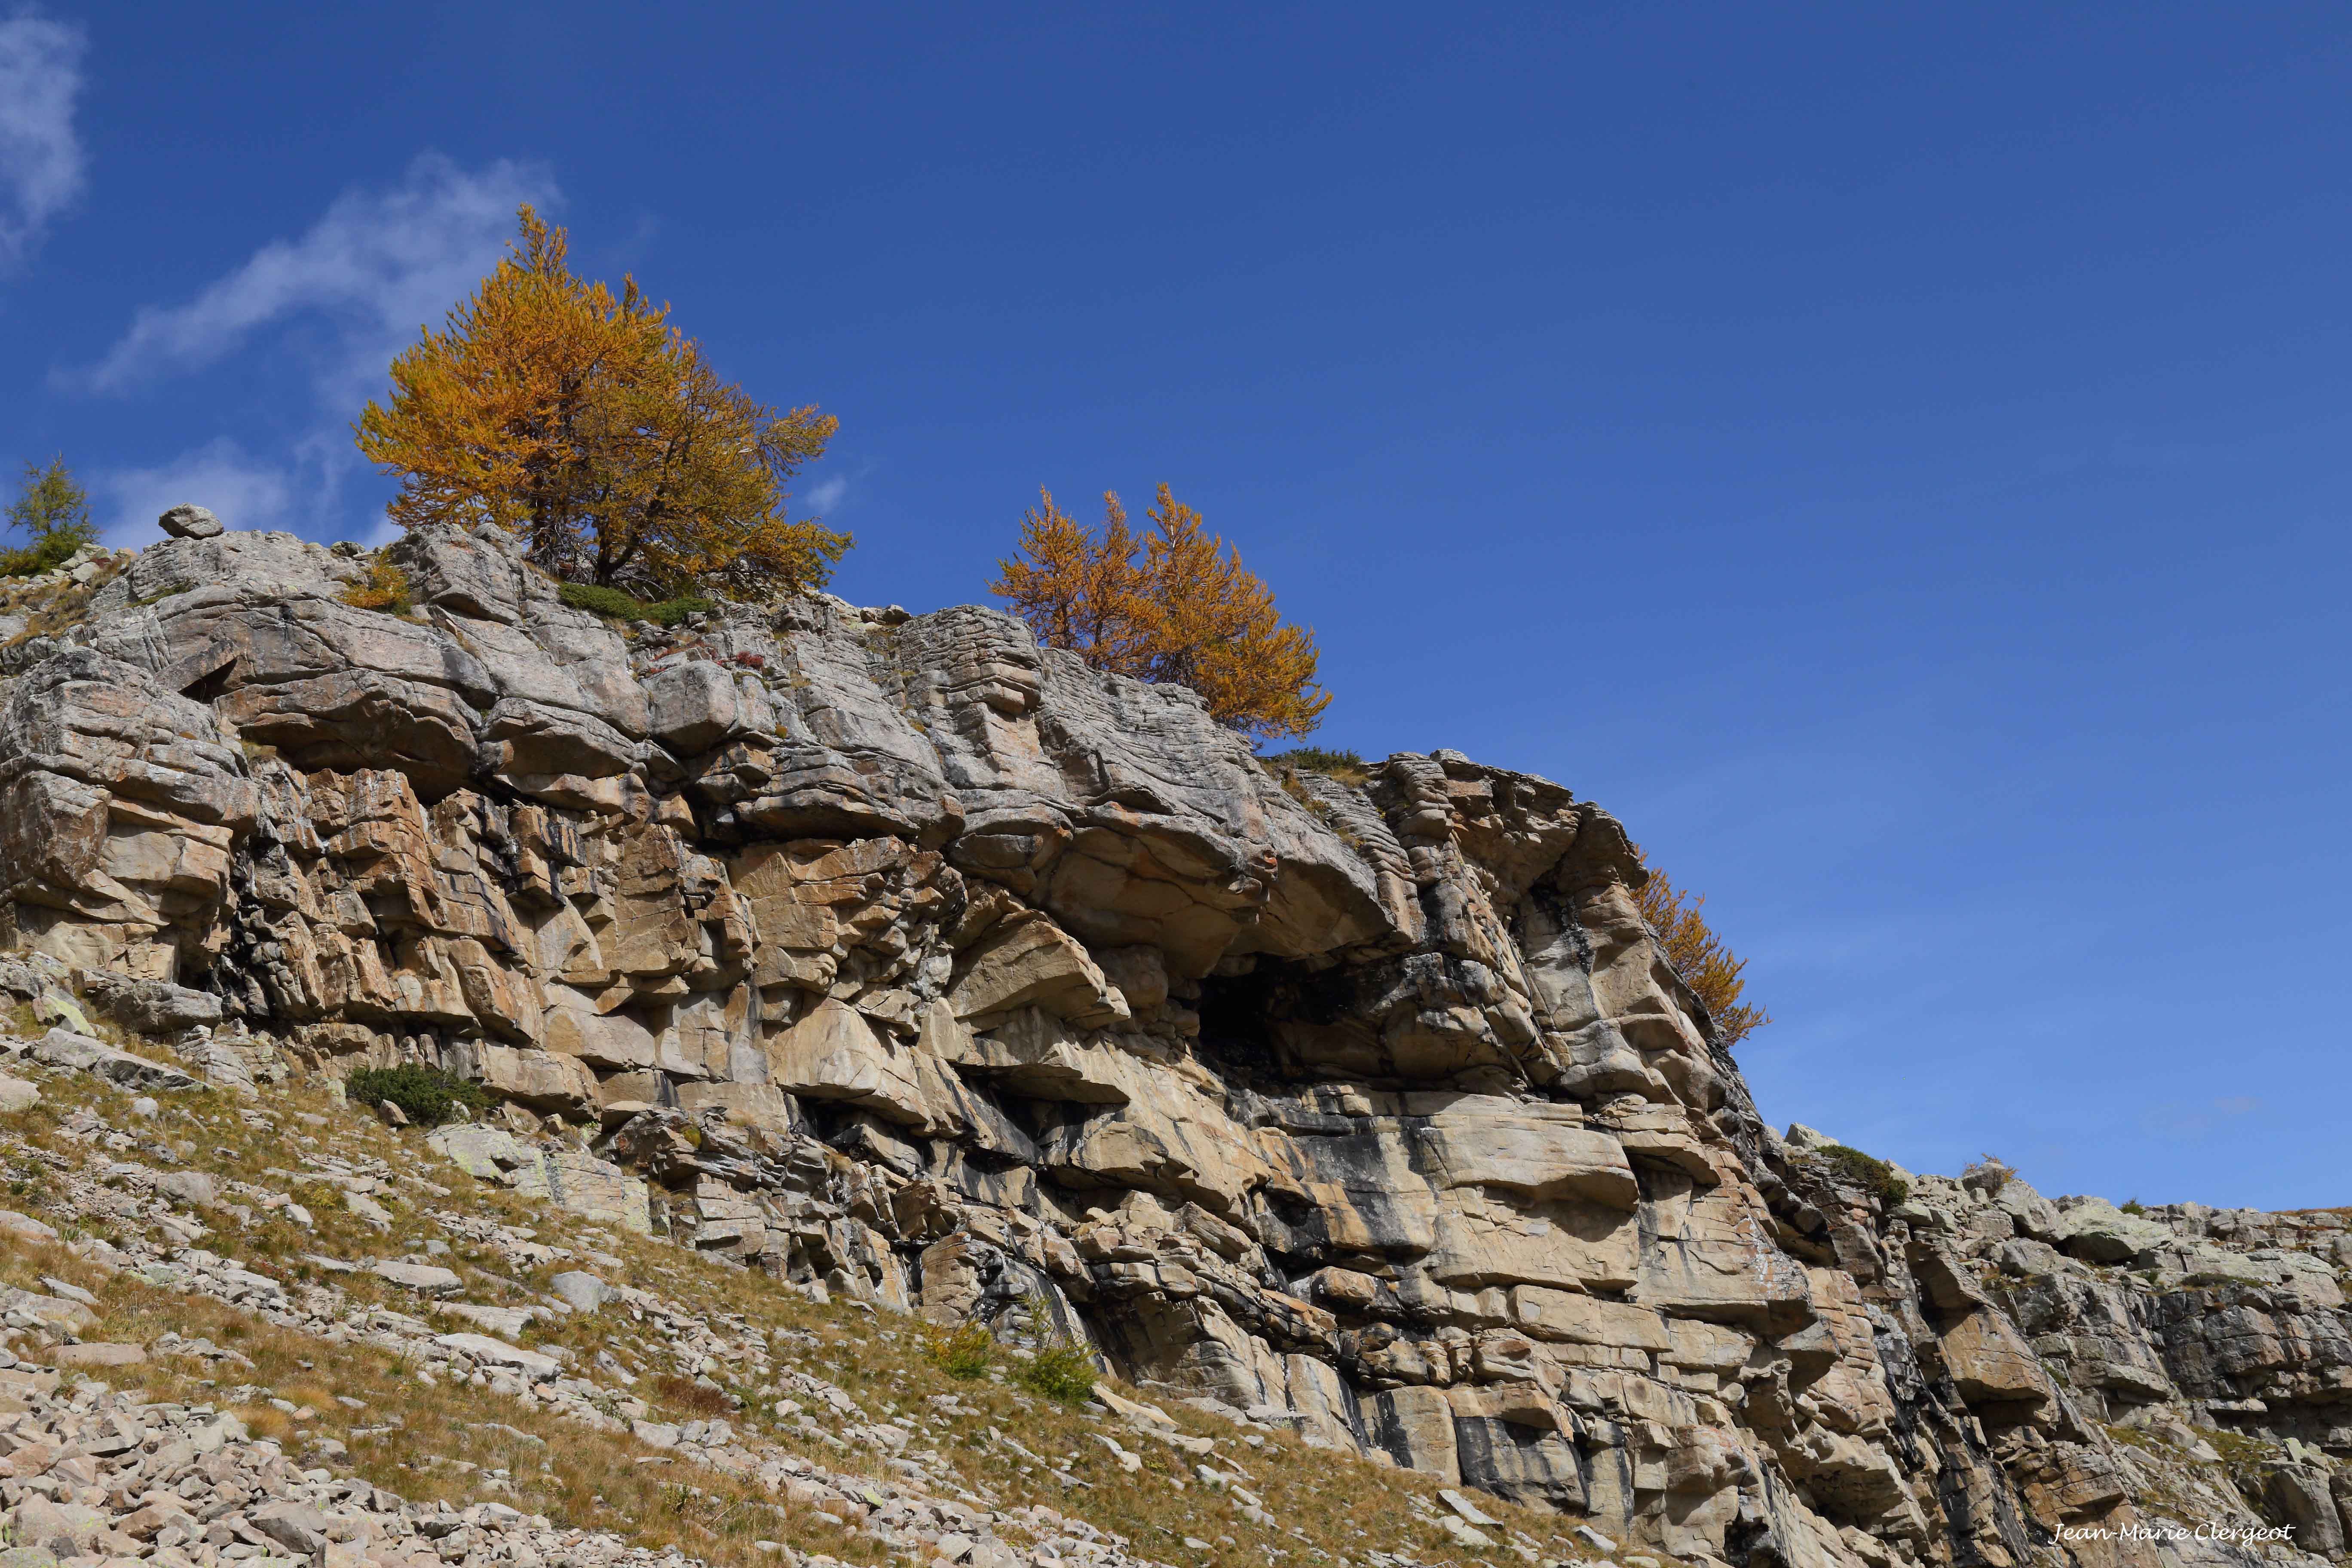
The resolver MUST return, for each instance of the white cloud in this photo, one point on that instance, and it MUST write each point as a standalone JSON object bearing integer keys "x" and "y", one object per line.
{"x": 40, "y": 158}
{"x": 826, "y": 494}
{"x": 240, "y": 490}
{"x": 376, "y": 266}
{"x": 2188, "y": 1123}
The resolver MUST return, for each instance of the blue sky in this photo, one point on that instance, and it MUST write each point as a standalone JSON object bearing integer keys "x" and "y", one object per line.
{"x": 1894, "y": 458}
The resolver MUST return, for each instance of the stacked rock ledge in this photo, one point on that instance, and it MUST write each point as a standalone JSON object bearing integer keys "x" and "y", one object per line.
{"x": 908, "y": 962}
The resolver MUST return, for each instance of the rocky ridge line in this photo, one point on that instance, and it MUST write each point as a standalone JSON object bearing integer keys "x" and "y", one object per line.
{"x": 910, "y": 964}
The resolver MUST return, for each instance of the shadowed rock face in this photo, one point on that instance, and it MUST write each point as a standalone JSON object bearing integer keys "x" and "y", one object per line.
{"x": 895, "y": 955}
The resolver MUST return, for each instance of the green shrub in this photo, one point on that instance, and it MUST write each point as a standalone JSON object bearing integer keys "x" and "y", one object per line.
{"x": 426, "y": 1096}
{"x": 962, "y": 1352}
{"x": 1345, "y": 766}
{"x": 603, "y": 601}
{"x": 1066, "y": 1373}
{"x": 1872, "y": 1174}
{"x": 2132, "y": 1205}
{"x": 42, "y": 555}
{"x": 597, "y": 598}
{"x": 670, "y": 612}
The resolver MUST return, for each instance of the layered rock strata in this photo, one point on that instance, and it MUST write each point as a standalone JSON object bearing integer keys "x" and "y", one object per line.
{"x": 904, "y": 960}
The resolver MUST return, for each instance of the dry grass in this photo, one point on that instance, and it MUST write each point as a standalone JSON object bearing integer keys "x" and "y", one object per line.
{"x": 427, "y": 1442}
{"x": 51, "y": 608}
{"x": 449, "y": 1437}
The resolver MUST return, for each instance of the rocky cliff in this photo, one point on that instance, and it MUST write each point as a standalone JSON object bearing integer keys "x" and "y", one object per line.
{"x": 905, "y": 961}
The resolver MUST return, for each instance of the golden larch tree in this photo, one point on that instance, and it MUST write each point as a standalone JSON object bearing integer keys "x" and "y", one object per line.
{"x": 1188, "y": 612}
{"x": 1077, "y": 592}
{"x": 552, "y": 407}
{"x": 1707, "y": 966}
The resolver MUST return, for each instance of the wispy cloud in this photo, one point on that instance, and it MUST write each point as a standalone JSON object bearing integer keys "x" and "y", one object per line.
{"x": 2188, "y": 1122}
{"x": 352, "y": 289}
{"x": 376, "y": 266}
{"x": 41, "y": 161}
{"x": 244, "y": 491}
{"x": 825, "y": 494}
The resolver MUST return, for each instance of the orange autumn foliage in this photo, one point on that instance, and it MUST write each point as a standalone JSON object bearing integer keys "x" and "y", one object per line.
{"x": 551, "y": 406}
{"x": 1186, "y": 611}
{"x": 1700, "y": 957}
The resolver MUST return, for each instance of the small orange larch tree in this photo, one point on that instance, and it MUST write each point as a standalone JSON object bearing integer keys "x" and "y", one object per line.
{"x": 1707, "y": 966}
{"x": 1188, "y": 612}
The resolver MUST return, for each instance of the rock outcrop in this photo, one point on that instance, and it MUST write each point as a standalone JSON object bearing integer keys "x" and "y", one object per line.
{"x": 906, "y": 961}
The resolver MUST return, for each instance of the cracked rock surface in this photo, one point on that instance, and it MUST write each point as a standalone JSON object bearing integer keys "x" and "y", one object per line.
{"x": 912, "y": 965}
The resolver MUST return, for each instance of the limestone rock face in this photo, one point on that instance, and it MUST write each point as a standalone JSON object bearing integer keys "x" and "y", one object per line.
{"x": 897, "y": 955}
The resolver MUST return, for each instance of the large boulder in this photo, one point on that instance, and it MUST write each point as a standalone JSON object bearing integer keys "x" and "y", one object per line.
{"x": 835, "y": 1054}
{"x": 150, "y": 1006}
{"x": 692, "y": 705}
{"x": 1028, "y": 960}
{"x": 2096, "y": 1231}
{"x": 475, "y": 576}
{"x": 64, "y": 1049}
{"x": 185, "y": 522}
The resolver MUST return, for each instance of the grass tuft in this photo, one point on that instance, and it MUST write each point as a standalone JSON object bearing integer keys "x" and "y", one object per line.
{"x": 44, "y": 555}
{"x": 1343, "y": 765}
{"x": 1874, "y": 1176}
{"x": 695, "y": 1399}
{"x": 964, "y": 1352}
{"x": 600, "y": 600}
{"x": 1065, "y": 1373}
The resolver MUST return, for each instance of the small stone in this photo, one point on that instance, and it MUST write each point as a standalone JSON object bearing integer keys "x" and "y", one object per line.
{"x": 42, "y": 1523}
{"x": 1462, "y": 1533}
{"x": 187, "y": 522}
{"x": 54, "y": 1006}
{"x": 143, "y": 1106}
{"x": 510, "y": 1322}
{"x": 426, "y": 1278}
{"x": 392, "y": 1115}
{"x": 581, "y": 1291}
{"x": 298, "y": 1527}
{"x": 194, "y": 1188}
{"x": 66, "y": 1290}
{"x": 498, "y": 1352}
{"x": 96, "y": 1356}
